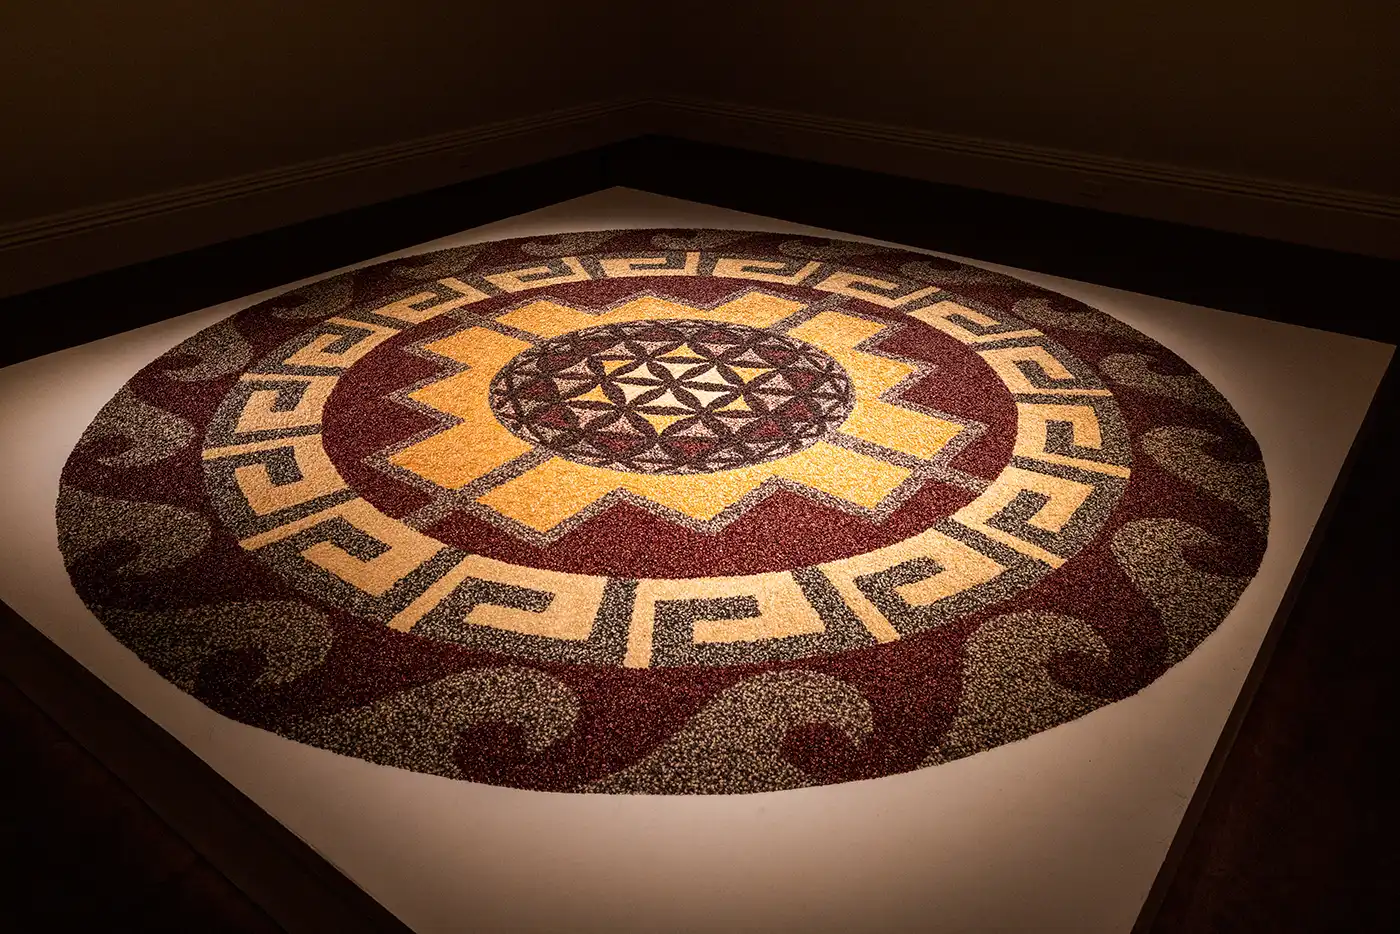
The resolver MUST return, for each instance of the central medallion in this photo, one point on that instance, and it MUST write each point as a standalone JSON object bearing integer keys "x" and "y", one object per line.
{"x": 672, "y": 396}
{"x": 696, "y": 424}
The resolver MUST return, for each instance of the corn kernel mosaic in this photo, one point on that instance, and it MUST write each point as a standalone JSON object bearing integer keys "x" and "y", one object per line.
{"x": 664, "y": 511}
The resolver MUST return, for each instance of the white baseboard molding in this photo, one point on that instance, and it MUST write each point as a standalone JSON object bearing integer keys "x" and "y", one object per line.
{"x": 1352, "y": 221}
{"x": 54, "y": 248}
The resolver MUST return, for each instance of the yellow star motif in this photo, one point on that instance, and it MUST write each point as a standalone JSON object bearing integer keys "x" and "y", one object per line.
{"x": 557, "y": 489}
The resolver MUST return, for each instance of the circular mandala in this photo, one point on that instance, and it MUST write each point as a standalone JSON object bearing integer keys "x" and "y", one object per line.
{"x": 672, "y": 396}
{"x": 664, "y": 511}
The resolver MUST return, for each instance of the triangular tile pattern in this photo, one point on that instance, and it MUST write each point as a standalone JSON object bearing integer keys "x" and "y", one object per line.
{"x": 675, "y": 396}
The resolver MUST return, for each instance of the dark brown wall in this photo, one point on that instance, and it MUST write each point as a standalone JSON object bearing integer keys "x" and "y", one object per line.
{"x": 1296, "y": 90}
{"x": 106, "y": 100}
{"x": 101, "y": 101}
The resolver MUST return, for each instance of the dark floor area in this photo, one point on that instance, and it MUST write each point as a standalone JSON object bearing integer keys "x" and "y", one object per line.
{"x": 83, "y": 853}
{"x": 1297, "y": 833}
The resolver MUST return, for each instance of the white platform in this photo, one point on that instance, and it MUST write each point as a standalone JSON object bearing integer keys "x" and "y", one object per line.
{"x": 1063, "y": 831}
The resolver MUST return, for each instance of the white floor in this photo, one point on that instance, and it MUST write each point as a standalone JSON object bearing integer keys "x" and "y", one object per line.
{"x": 1064, "y": 831}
